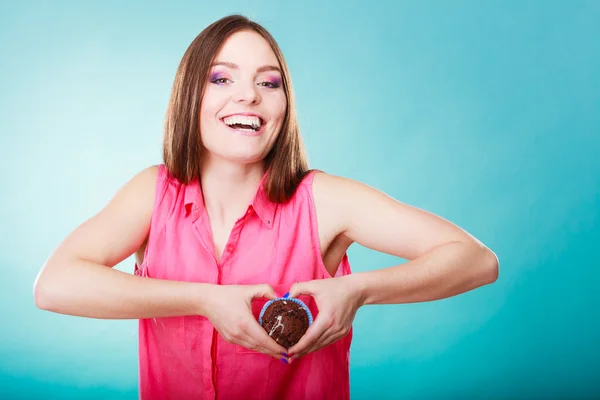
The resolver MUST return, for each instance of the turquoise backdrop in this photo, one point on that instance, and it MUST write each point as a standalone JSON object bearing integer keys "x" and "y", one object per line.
{"x": 487, "y": 113}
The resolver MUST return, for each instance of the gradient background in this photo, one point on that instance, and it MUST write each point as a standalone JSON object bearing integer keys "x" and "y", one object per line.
{"x": 486, "y": 113}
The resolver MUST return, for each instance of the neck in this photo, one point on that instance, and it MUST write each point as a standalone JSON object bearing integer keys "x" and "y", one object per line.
{"x": 228, "y": 188}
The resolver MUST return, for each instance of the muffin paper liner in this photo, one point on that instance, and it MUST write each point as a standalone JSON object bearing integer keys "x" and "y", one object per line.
{"x": 294, "y": 300}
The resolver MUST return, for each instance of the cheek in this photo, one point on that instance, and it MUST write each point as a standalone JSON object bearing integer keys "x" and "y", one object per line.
{"x": 207, "y": 109}
{"x": 279, "y": 106}
{"x": 212, "y": 102}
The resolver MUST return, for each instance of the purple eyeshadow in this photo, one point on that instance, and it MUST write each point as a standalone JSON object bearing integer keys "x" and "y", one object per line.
{"x": 216, "y": 75}
{"x": 275, "y": 81}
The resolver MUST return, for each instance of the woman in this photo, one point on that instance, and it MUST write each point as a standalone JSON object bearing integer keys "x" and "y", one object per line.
{"x": 234, "y": 218}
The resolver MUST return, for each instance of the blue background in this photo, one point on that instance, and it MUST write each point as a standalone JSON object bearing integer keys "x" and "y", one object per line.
{"x": 486, "y": 113}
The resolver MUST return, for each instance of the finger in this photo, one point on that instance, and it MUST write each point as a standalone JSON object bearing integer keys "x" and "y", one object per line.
{"x": 312, "y": 346}
{"x": 259, "y": 347}
{"x": 325, "y": 341}
{"x": 236, "y": 339}
{"x": 247, "y": 343}
{"x": 300, "y": 288}
{"x": 264, "y": 290}
{"x": 262, "y": 340}
{"x": 246, "y": 338}
{"x": 312, "y": 335}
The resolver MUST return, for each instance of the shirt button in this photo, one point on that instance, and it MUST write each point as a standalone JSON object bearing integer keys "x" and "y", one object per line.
{"x": 230, "y": 247}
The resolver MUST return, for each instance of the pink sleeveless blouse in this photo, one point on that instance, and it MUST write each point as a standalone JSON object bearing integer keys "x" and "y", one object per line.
{"x": 278, "y": 244}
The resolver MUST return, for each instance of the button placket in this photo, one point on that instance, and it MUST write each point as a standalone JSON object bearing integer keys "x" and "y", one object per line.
{"x": 231, "y": 243}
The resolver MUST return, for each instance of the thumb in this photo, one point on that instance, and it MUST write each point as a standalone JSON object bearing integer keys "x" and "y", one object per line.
{"x": 300, "y": 288}
{"x": 264, "y": 290}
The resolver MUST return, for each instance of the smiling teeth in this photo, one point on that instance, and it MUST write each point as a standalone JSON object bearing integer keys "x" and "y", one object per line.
{"x": 252, "y": 121}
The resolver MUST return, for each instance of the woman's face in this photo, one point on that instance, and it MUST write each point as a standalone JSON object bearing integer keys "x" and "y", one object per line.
{"x": 244, "y": 104}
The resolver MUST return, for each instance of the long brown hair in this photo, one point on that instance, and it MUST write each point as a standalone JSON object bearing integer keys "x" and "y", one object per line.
{"x": 182, "y": 146}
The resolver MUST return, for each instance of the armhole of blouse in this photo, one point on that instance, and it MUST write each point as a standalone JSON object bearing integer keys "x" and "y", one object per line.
{"x": 344, "y": 265}
{"x": 307, "y": 182}
{"x": 162, "y": 182}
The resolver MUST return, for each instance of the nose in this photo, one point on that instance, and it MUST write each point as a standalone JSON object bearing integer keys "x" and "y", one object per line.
{"x": 246, "y": 93}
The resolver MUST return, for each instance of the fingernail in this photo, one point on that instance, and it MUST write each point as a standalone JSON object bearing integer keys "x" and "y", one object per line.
{"x": 291, "y": 360}
{"x": 285, "y": 296}
{"x": 285, "y": 354}
{"x": 284, "y": 361}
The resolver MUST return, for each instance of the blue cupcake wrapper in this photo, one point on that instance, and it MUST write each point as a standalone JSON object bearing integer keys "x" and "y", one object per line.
{"x": 294, "y": 300}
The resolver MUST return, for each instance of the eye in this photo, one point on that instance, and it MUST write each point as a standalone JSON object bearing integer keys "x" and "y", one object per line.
{"x": 220, "y": 81}
{"x": 268, "y": 84}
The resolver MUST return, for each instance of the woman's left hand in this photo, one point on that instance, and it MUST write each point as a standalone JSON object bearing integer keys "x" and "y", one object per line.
{"x": 338, "y": 300}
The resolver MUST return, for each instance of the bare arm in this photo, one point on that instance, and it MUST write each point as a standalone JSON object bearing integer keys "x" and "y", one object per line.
{"x": 444, "y": 259}
{"x": 78, "y": 278}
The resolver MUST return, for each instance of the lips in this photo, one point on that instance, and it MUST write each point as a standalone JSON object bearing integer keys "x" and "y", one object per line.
{"x": 245, "y": 132}
{"x": 246, "y": 114}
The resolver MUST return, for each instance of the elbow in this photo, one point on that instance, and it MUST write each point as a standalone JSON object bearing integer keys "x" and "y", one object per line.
{"x": 41, "y": 296}
{"x": 482, "y": 263}
{"x": 43, "y": 289}
{"x": 489, "y": 266}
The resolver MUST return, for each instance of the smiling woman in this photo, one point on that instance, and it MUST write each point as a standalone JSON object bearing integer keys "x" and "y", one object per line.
{"x": 235, "y": 60}
{"x": 233, "y": 218}
{"x": 245, "y": 93}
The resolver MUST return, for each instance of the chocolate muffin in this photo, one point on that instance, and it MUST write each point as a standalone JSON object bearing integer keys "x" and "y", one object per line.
{"x": 285, "y": 320}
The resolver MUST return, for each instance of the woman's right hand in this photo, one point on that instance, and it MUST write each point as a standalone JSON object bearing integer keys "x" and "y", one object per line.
{"x": 229, "y": 309}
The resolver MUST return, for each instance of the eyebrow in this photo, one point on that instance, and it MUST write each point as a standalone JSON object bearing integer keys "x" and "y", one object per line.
{"x": 264, "y": 68}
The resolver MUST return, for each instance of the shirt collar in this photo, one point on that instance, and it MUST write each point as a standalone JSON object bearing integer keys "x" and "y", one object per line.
{"x": 262, "y": 206}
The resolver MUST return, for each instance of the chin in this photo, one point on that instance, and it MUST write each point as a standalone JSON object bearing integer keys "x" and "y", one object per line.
{"x": 238, "y": 151}
{"x": 243, "y": 158}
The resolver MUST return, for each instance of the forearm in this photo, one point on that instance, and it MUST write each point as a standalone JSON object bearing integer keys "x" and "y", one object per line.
{"x": 86, "y": 289}
{"x": 445, "y": 271}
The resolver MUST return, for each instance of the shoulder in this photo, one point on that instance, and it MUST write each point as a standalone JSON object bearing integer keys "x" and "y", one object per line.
{"x": 322, "y": 182}
{"x": 144, "y": 182}
{"x": 151, "y": 173}
{"x": 332, "y": 194}
{"x": 155, "y": 179}
{"x": 139, "y": 190}
{"x": 120, "y": 227}
{"x": 345, "y": 202}
{"x": 336, "y": 190}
